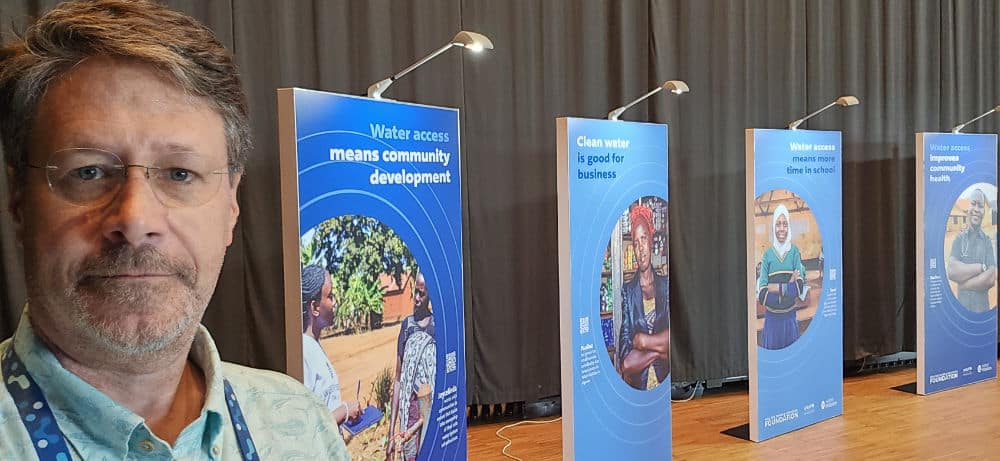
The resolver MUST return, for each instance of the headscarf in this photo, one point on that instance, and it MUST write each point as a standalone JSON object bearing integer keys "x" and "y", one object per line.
{"x": 313, "y": 277}
{"x": 781, "y": 248}
{"x": 641, "y": 214}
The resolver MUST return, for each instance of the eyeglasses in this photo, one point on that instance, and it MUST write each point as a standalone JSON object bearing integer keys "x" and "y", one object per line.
{"x": 93, "y": 177}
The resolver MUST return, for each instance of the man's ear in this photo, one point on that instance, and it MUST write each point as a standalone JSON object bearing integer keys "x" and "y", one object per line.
{"x": 234, "y": 205}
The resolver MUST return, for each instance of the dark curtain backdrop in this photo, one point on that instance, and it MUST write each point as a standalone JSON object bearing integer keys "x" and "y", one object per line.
{"x": 915, "y": 65}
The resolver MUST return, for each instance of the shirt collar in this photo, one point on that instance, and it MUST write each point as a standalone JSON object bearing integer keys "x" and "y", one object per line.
{"x": 88, "y": 417}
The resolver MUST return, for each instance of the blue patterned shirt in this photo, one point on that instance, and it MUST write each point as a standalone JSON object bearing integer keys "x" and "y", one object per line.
{"x": 286, "y": 421}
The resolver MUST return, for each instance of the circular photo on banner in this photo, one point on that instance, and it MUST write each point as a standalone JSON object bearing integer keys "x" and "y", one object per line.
{"x": 788, "y": 251}
{"x": 367, "y": 329}
{"x": 635, "y": 294}
{"x": 970, "y": 248}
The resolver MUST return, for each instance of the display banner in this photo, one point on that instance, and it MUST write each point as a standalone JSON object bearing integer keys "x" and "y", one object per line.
{"x": 956, "y": 260}
{"x": 372, "y": 237}
{"x": 614, "y": 289}
{"x": 794, "y": 273}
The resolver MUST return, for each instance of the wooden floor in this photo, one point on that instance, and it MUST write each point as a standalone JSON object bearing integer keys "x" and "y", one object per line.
{"x": 879, "y": 422}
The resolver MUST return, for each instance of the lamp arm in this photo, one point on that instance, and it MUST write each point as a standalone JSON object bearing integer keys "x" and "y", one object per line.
{"x": 795, "y": 125}
{"x": 959, "y": 127}
{"x": 377, "y": 88}
{"x": 613, "y": 115}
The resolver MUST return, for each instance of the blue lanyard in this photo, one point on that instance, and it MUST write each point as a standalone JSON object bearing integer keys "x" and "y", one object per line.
{"x": 41, "y": 425}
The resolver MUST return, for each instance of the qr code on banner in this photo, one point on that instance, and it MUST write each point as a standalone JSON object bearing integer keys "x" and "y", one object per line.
{"x": 833, "y": 274}
{"x": 933, "y": 263}
{"x": 450, "y": 362}
{"x": 584, "y": 325}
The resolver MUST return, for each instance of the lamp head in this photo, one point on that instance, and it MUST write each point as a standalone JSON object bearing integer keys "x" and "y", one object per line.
{"x": 675, "y": 86}
{"x": 847, "y": 101}
{"x": 472, "y": 41}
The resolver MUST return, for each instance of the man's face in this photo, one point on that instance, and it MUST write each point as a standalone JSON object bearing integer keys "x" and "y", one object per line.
{"x": 643, "y": 247}
{"x": 977, "y": 207}
{"x": 420, "y": 293}
{"x": 781, "y": 228}
{"x": 130, "y": 276}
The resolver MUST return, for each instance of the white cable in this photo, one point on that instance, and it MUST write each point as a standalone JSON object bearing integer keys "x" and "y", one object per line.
{"x": 510, "y": 442}
{"x": 503, "y": 451}
{"x": 694, "y": 391}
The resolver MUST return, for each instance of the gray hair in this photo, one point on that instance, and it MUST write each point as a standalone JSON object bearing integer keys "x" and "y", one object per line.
{"x": 182, "y": 49}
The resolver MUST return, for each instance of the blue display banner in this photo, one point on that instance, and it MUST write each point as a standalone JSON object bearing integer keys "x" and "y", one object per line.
{"x": 956, "y": 253}
{"x": 379, "y": 208}
{"x": 614, "y": 289}
{"x": 794, "y": 273}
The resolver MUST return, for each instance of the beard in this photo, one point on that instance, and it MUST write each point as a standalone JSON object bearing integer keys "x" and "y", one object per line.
{"x": 422, "y": 310}
{"x": 128, "y": 317}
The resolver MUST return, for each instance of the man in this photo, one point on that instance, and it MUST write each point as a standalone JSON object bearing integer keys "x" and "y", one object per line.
{"x": 993, "y": 220}
{"x": 125, "y": 131}
{"x": 413, "y": 384}
{"x": 644, "y": 342}
{"x": 971, "y": 263}
{"x": 318, "y": 307}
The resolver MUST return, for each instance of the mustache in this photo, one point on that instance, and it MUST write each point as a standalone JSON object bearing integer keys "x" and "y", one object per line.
{"x": 125, "y": 259}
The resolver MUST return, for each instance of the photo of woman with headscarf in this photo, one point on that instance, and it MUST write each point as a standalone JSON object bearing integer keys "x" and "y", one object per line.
{"x": 635, "y": 321}
{"x": 644, "y": 343}
{"x": 787, "y": 234}
{"x": 318, "y": 305}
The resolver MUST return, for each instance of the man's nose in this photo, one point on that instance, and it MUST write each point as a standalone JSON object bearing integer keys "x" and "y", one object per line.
{"x": 135, "y": 216}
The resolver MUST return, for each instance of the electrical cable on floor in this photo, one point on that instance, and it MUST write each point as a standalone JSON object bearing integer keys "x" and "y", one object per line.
{"x": 694, "y": 392}
{"x": 510, "y": 442}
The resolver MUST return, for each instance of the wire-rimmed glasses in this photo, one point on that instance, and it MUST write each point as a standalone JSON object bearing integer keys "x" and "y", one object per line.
{"x": 93, "y": 177}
